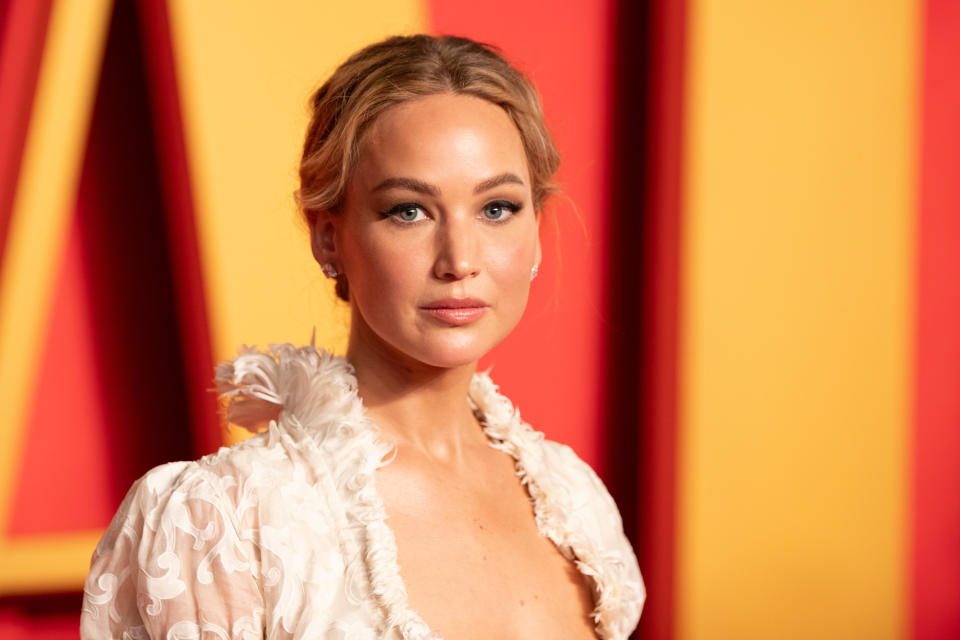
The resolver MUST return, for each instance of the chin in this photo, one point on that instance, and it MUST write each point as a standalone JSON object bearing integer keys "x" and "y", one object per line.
{"x": 449, "y": 356}
{"x": 449, "y": 349}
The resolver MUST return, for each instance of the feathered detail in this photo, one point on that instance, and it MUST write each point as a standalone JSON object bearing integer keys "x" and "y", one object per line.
{"x": 313, "y": 396}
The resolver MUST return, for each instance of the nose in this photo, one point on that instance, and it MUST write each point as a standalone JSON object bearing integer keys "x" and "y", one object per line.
{"x": 457, "y": 249}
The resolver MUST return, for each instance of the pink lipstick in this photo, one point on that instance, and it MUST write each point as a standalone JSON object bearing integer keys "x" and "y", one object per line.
{"x": 456, "y": 311}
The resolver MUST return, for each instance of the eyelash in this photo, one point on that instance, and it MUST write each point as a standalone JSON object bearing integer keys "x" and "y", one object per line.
{"x": 512, "y": 207}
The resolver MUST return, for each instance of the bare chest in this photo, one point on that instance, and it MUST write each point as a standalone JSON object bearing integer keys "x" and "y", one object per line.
{"x": 473, "y": 561}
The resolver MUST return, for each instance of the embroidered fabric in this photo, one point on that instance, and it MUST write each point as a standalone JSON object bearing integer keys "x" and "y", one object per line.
{"x": 285, "y": 536}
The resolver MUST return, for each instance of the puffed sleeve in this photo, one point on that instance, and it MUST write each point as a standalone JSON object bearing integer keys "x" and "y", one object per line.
{"x": 173, "y": 563}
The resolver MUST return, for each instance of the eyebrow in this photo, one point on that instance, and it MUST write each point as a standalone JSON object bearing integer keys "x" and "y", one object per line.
{"x": 496, "y": 181}
{"x": 412, "y": 184}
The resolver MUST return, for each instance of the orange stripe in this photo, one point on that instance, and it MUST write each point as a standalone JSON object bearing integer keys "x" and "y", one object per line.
{"x": 797, "y": 319}
{"x": 21, "y": 45}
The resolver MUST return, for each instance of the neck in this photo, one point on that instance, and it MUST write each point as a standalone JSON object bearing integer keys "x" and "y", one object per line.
{"x": 414, "y": 404}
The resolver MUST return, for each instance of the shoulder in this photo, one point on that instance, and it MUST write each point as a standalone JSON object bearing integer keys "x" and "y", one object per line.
{"x": 175, "y": 541}
{"x": 564, "y": 477}
{"x": 221, "y": 494}
{"x": 216, "y": 477}
{"x": 592, "y": 525}
{"x": 586, "y": 490}
{"x": 564, "y": 460}
{"x": 166, "y": 494}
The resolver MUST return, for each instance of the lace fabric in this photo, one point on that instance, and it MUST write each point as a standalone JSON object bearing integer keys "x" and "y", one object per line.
{"x": 285, "y": 536}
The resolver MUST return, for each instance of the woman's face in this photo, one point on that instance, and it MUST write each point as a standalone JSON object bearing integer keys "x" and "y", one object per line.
{"x": 438, "y": 234}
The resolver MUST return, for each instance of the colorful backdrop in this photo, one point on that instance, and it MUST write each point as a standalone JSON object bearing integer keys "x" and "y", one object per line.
{"x": 748, "y": 318}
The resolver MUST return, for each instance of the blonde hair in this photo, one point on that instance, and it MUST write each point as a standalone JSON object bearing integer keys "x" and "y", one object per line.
{"x": 397, "y": 70}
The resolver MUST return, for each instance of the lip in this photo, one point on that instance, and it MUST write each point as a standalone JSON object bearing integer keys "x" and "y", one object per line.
{"x": 456, "y": 311}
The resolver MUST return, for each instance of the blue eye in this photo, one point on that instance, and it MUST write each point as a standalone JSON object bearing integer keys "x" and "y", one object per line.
{"x": 407, "y": 212}
{"x": 500, "y": 210}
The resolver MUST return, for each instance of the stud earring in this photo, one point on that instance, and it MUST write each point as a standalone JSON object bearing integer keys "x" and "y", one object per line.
{"x": 534, "y": 271}
{"x": 329, "y": 270}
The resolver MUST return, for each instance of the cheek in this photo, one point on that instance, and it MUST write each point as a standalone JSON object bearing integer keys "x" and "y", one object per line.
{"x": 378, "y": 268}
{"x": 509, "y": 264}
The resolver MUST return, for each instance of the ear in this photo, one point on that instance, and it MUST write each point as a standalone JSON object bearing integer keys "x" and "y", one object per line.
{"x": 323, "y": 238}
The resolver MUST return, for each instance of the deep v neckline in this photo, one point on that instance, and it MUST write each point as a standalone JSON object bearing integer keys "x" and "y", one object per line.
{"x": 385, "y": 577}
{"x": 322, "y": 409}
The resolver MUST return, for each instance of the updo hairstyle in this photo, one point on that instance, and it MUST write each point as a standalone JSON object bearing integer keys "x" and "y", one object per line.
{"x": 397, "y": 70}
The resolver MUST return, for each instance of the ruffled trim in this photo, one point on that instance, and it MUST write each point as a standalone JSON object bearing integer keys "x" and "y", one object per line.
{"x": 313, "y": 394}
{"x": 614, "y": 600}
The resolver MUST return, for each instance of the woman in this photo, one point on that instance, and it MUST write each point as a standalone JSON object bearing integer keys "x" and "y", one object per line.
{"x": 395, "y": 493}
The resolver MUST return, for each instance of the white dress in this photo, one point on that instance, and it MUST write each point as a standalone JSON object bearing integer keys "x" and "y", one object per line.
{"x": 285, "y": 536}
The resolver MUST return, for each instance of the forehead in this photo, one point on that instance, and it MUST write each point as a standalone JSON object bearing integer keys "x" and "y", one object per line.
{"x": 442, "y": 138}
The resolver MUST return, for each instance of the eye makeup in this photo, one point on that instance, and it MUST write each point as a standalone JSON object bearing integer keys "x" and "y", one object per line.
{"x": 399, "y": 212}
{"x": 501, "y": 205}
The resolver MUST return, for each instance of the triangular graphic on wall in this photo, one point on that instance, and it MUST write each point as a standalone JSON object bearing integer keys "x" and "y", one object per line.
{"x": 87, "y": 304}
